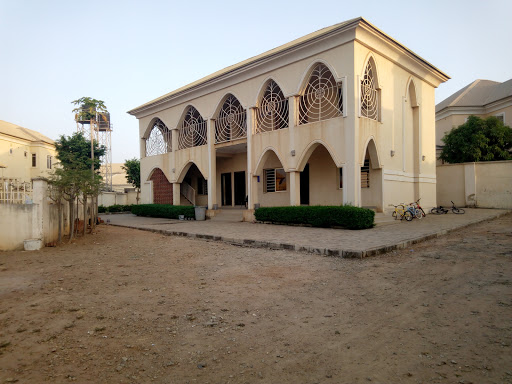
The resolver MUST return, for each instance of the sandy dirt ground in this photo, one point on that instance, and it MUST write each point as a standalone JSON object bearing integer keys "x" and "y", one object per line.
{"x": 126, "y": 306}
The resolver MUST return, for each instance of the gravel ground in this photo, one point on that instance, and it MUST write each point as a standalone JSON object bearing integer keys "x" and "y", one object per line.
{"x": 127, "y": 306}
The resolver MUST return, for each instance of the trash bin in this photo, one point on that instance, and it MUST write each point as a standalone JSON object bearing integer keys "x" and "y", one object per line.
{"x": 200, "y": 213}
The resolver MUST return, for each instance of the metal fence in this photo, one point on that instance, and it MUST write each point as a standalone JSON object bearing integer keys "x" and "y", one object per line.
{"x": 14, "y": 191}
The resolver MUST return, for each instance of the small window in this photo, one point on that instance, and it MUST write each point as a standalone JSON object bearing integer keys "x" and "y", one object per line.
{"x": 10, "y": 151}
{"x": 365, "y": 174}
{"x": 275, "y": 180}
{"x": 49, "y": 162}
{"x": 34, "y": 160}
{"x": 341, "y": 178}
{"x": 501, "y": 117}
{"x": 26, "y": 153}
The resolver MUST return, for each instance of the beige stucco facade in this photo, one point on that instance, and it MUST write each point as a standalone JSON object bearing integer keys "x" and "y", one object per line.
{"x": 367, "y": 140}
{"x": 24, "y": 153}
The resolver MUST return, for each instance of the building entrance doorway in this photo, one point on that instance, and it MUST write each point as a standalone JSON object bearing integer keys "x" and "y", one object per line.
{"x": 304, "y": 186}
{"x": 240, "y": 188}
{"x": 225, "y": 186}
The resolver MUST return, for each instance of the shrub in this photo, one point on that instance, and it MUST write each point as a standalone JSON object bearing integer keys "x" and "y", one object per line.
{"x": 319, "y": 216}
{"x": 164, "y": 210}
{"x": 114, "y": 208}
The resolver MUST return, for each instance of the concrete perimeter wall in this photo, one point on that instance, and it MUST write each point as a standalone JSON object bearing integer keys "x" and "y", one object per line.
{"x": 108, "y": 199}
{"x": 482, "y": 184}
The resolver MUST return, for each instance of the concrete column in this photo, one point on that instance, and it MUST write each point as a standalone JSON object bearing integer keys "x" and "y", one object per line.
{"x": 176, "y": 193}
{"x": 352, "y": 166}
{"x": 212, "y": 165}
{"x": 292, "y": 120}
{"x": 40, "y": 196}
{"x": 250, "y": 130}
{"x": 174, "y": 140}
{"x": 294, "y": 188}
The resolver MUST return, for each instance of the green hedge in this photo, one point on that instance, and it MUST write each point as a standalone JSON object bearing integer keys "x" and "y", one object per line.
{"x": 114, "y": 208}
{"x": 164, "y": 210}
{"x": 319, "y": 216}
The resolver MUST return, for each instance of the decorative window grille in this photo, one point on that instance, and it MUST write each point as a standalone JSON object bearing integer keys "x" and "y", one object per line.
{"x": 365, "y": 174}
{"x": 231, "y": 123}
{"x": 275, "y": 180}
{"x": 369, "y": 94}
{"x": 159, "y": 140}
{"x": 322, "y": 98}
{"x": 272, "y": 114}
{"x": 192, "y": 132}
{"x": 49, "y": 162}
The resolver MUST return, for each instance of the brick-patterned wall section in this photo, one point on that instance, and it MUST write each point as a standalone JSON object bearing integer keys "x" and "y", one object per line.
{"x": 162, "y": 189}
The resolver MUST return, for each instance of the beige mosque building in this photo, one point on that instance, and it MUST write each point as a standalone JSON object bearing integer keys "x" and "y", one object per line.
{"x": 344, "y": 115}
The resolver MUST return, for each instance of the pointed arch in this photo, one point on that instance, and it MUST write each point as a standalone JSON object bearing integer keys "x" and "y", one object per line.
{"x": 157, "y": 138}
{"x": 183, "y": 172}
{"x": 263, "y": 158}
{"x": 231, "y": 122}
{"x": 161, "y": 187}
{"x": 373, "y": 152}
{"x": 272, "y": 112}
{"x": 321, "y": 97}
{"x": 411, "y": 93}
{"x": 307, "y": 74}
{"x": 306, "y": 154}
{"x": 370, "y": 91}
{"x": 192, "y": 130}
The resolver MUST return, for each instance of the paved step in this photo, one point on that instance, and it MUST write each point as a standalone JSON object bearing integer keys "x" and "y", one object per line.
{"x": 229, "y": 215}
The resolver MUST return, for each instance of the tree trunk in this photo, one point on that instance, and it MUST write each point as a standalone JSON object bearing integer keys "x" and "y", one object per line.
{"x": 59, "y": 212}
{"x": 71, "y": 218}
{"x": 85, "y": 213}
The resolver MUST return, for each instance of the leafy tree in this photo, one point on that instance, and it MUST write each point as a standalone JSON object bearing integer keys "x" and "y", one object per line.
{"x": 478, "y": 140}
{"x": 87, "y": 108}
{"x": 73, "y": 176}
{"x": 132, "y": 168}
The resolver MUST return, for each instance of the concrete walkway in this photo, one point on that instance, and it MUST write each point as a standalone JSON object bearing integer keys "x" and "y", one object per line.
{"x": 325, "y": 241}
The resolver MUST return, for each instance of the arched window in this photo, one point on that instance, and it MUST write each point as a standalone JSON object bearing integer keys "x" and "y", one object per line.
{"x": 159, "y": 140}
{"x": 231, "y": 123}
{"x": 322, "y": 98}
{"x": 369, "y": 93}
{"x": 272, "y": 112}
{"x": 192, "y": 132}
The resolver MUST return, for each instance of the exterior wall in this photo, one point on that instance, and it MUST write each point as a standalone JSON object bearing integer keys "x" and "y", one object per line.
{"x": 404, "y": 136}
{"x": 18, "y": 165}
{"x": 40, "y": 220}
{"x": 117, "y": 198}
{"x": 16, "y": 223}
{"x": 403, "y": 159}
{"x": 483, "y": 184}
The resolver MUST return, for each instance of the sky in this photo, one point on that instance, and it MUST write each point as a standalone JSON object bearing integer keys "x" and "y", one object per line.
{"x": 129, "y": 52}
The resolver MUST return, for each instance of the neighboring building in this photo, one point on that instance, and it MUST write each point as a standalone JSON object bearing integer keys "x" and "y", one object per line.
{"x": 24, "y": 153}
{"x": 482, "y": 98}
{"x": 119, "y": 182}
{"x": 344, "y": 115}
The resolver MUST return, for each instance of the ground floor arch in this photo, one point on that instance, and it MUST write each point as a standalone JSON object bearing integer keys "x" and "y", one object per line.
{"x": 161, "y": 188}
{"x": 371, "y": 178}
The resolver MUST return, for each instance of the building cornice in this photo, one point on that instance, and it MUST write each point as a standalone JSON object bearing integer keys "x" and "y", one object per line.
{"x": 474, "y": 110}
{"x": 242, "y": 70}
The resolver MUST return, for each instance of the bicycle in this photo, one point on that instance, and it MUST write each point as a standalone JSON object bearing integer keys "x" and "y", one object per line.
{"x": 456, "y": 210}
{"x": 401, "y": 212}
{"x": 419, "y": 213}
{"x": 441, "y": 210}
